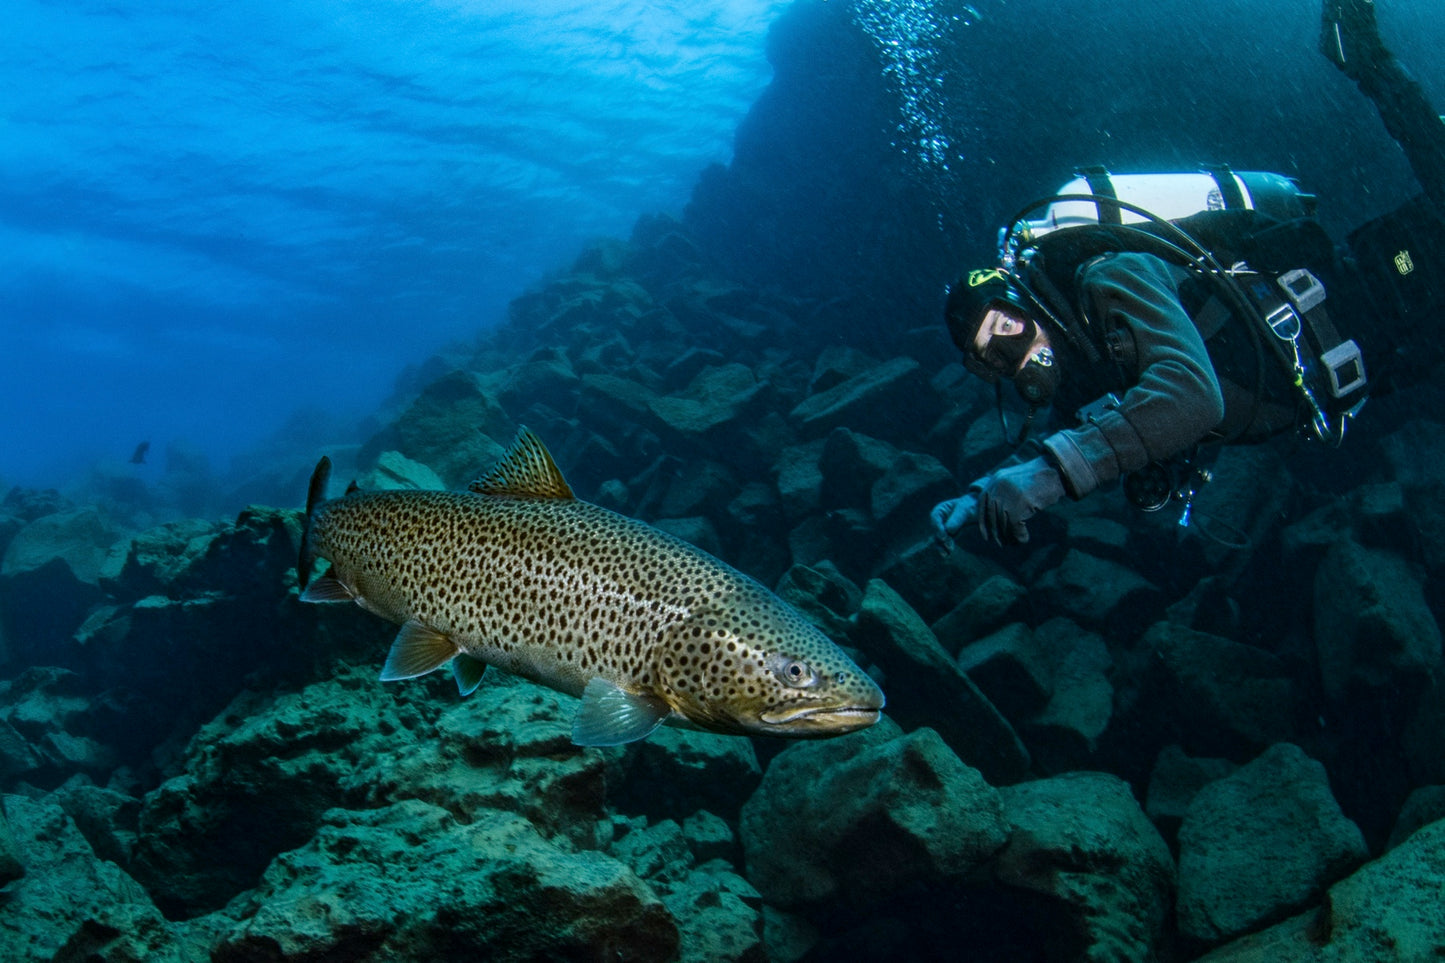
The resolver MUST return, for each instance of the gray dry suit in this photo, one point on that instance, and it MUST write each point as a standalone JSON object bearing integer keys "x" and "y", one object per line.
{"x": 1171, "y": 397}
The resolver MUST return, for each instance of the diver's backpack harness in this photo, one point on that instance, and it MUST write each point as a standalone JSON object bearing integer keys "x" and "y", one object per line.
{"x": 1295, "y": 349}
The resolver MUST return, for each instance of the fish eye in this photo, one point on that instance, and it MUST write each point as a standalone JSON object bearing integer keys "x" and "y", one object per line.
{"x": 796, "y": 673}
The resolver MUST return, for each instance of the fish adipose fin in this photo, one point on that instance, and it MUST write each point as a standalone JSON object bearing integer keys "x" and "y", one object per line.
{"x": 327, "y": 589}
{"x": 610, "y": 715}
{"x": 418, "y": 649}
{"x": 468, "y": 672}
{"x": 525, "y": 471}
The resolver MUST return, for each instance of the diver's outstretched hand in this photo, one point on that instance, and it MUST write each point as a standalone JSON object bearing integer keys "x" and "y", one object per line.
{"x": 949, "y": 517}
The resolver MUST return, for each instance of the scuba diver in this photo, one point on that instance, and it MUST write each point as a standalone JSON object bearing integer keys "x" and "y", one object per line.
{"x": 1199, "y": 324}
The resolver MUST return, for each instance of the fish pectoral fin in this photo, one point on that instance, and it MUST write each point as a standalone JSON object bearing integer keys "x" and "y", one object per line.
{"x": 327, "y": 589}
{"x": 468, "y": 672}
{"x": 610, "y": 715}
{"x": 418, "y": 649}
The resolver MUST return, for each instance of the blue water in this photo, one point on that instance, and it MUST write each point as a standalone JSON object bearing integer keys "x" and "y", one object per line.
{"x": 220, "y": 223}
{"x": 213, "y": 215}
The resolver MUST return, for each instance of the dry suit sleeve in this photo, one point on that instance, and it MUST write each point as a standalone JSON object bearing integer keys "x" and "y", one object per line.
{"x": 1176, "y": 399}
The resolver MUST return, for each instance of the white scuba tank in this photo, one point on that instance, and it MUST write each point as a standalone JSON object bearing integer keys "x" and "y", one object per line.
{"x": 1170, "y": 196}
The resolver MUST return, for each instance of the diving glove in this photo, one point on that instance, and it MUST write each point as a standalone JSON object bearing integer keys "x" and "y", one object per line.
{"x": 1011, "y": 496}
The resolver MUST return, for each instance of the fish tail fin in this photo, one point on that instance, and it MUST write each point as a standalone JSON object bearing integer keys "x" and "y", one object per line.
{"x": 315, "y": 495}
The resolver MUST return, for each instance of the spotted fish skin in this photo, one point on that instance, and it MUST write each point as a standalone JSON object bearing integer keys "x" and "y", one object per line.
{"x": 520, "y": 574}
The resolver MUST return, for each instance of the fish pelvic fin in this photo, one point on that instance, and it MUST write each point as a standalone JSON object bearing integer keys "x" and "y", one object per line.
{"x": 418, "y": 649}
{"x": 611, "y": 716}
{"x": 525, "y": 471}
{"x": 315, "y": 495}
{"x": 468, "y": 672}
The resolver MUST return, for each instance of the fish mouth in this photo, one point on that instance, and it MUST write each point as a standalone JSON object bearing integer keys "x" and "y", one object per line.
{"x": 822, "y": 719}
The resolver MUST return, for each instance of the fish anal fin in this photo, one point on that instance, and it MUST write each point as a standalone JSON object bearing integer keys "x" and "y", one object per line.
{"x": 327, "y": 589}
{"x": 611, "y": 716}
{"x": 418, "y": 649}
{"x": 468, "y": 672}
{"x": 525, "y": 471}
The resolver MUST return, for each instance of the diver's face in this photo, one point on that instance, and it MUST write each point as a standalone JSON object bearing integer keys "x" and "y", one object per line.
{"x": 1003, "y": 343}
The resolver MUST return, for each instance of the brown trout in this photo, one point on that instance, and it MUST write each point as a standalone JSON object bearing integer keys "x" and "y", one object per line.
{"x": 519, "y": 573}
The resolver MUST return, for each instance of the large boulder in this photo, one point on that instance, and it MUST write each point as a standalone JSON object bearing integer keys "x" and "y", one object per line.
{"x": 926, "y": 687}
{"x": 1081, "y": 840}
{"x": 412, "y": 881}
{"x": 1260, "y": 844}
{"x": 71, "y": 904}
{"x": 1068, "y": 731}
{"x": 1373, "y": 626}
{"x": 867, "y": 402}
{"x": 859, "y": 820}
{"x": 49, "y": 580}
{"x": 259, "y": 779}
{"x": 1217, "y": 696}
{"x": 1387, "y": 912}
{"x": 455, "y": 425}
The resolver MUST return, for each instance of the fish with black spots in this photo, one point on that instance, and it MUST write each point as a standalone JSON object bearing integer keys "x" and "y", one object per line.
{"x": 520, "y": 574}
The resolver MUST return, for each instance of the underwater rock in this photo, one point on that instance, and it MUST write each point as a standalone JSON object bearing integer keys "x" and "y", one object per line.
{"x": 697, "y": 530}
{"x": 799, "y": 478}
{"x": 863, "y": 818}
{"x": 1424, "y": 738}
{"x": 1011, "y": 670}
{"x": 1424, "y": 806}
{"x": 71, "y": 904}
{"x": 258, "y": 779}
{"x": 17, "y": 758}
{"x": 545, "y": 377}
{"x": 1174, "y": 782}
{"x": 697, "y": 487}
{"x": 451, "y": 426}
{"x": 11, "y": 866}
{"x": 49, "y": 580}
{"x": 717, "y": 396}
{"x": 677, "y": 772}
{"x": 411, "y": 881}
{"x": 1066, "y": 733}
{"x": 1260, "y": 844}
{"x": 1217, "y": 696}
{"x": 394, "y": 470}
{"x": 850, "y": 464}
{"x": 61, "y": 727}
{"x": 988, "y": 608}
{"x": 823, "y": 594}
{"x": 1373, "y": 627}
{"x": 106, "y": 818}
{"x": 1081, "y": 839}
{"x": 1388, "y": 910}
{"x": 867, "y": 402}
{"x": 1098, "y": 593}
{"x": 926, "y": 687}
{"x": 719, "y": 916}
{"x": 835, "y": 364}
{"x": 149, "y": 562}
{"x": 901, "y": 500}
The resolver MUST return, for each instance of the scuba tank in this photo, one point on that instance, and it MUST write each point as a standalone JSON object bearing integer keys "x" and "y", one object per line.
{"x": 1166, "y": 196}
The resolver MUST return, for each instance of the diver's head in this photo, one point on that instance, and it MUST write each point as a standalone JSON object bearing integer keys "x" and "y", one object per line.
{"x": 989, "y": 322}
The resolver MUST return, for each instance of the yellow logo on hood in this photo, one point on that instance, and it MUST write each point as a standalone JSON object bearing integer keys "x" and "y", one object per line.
{"x": 985, "y": 275}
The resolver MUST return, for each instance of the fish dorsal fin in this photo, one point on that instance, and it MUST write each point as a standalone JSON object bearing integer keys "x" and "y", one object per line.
{"x": 526, "y": 471}
{"x": 611, "y": 716}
